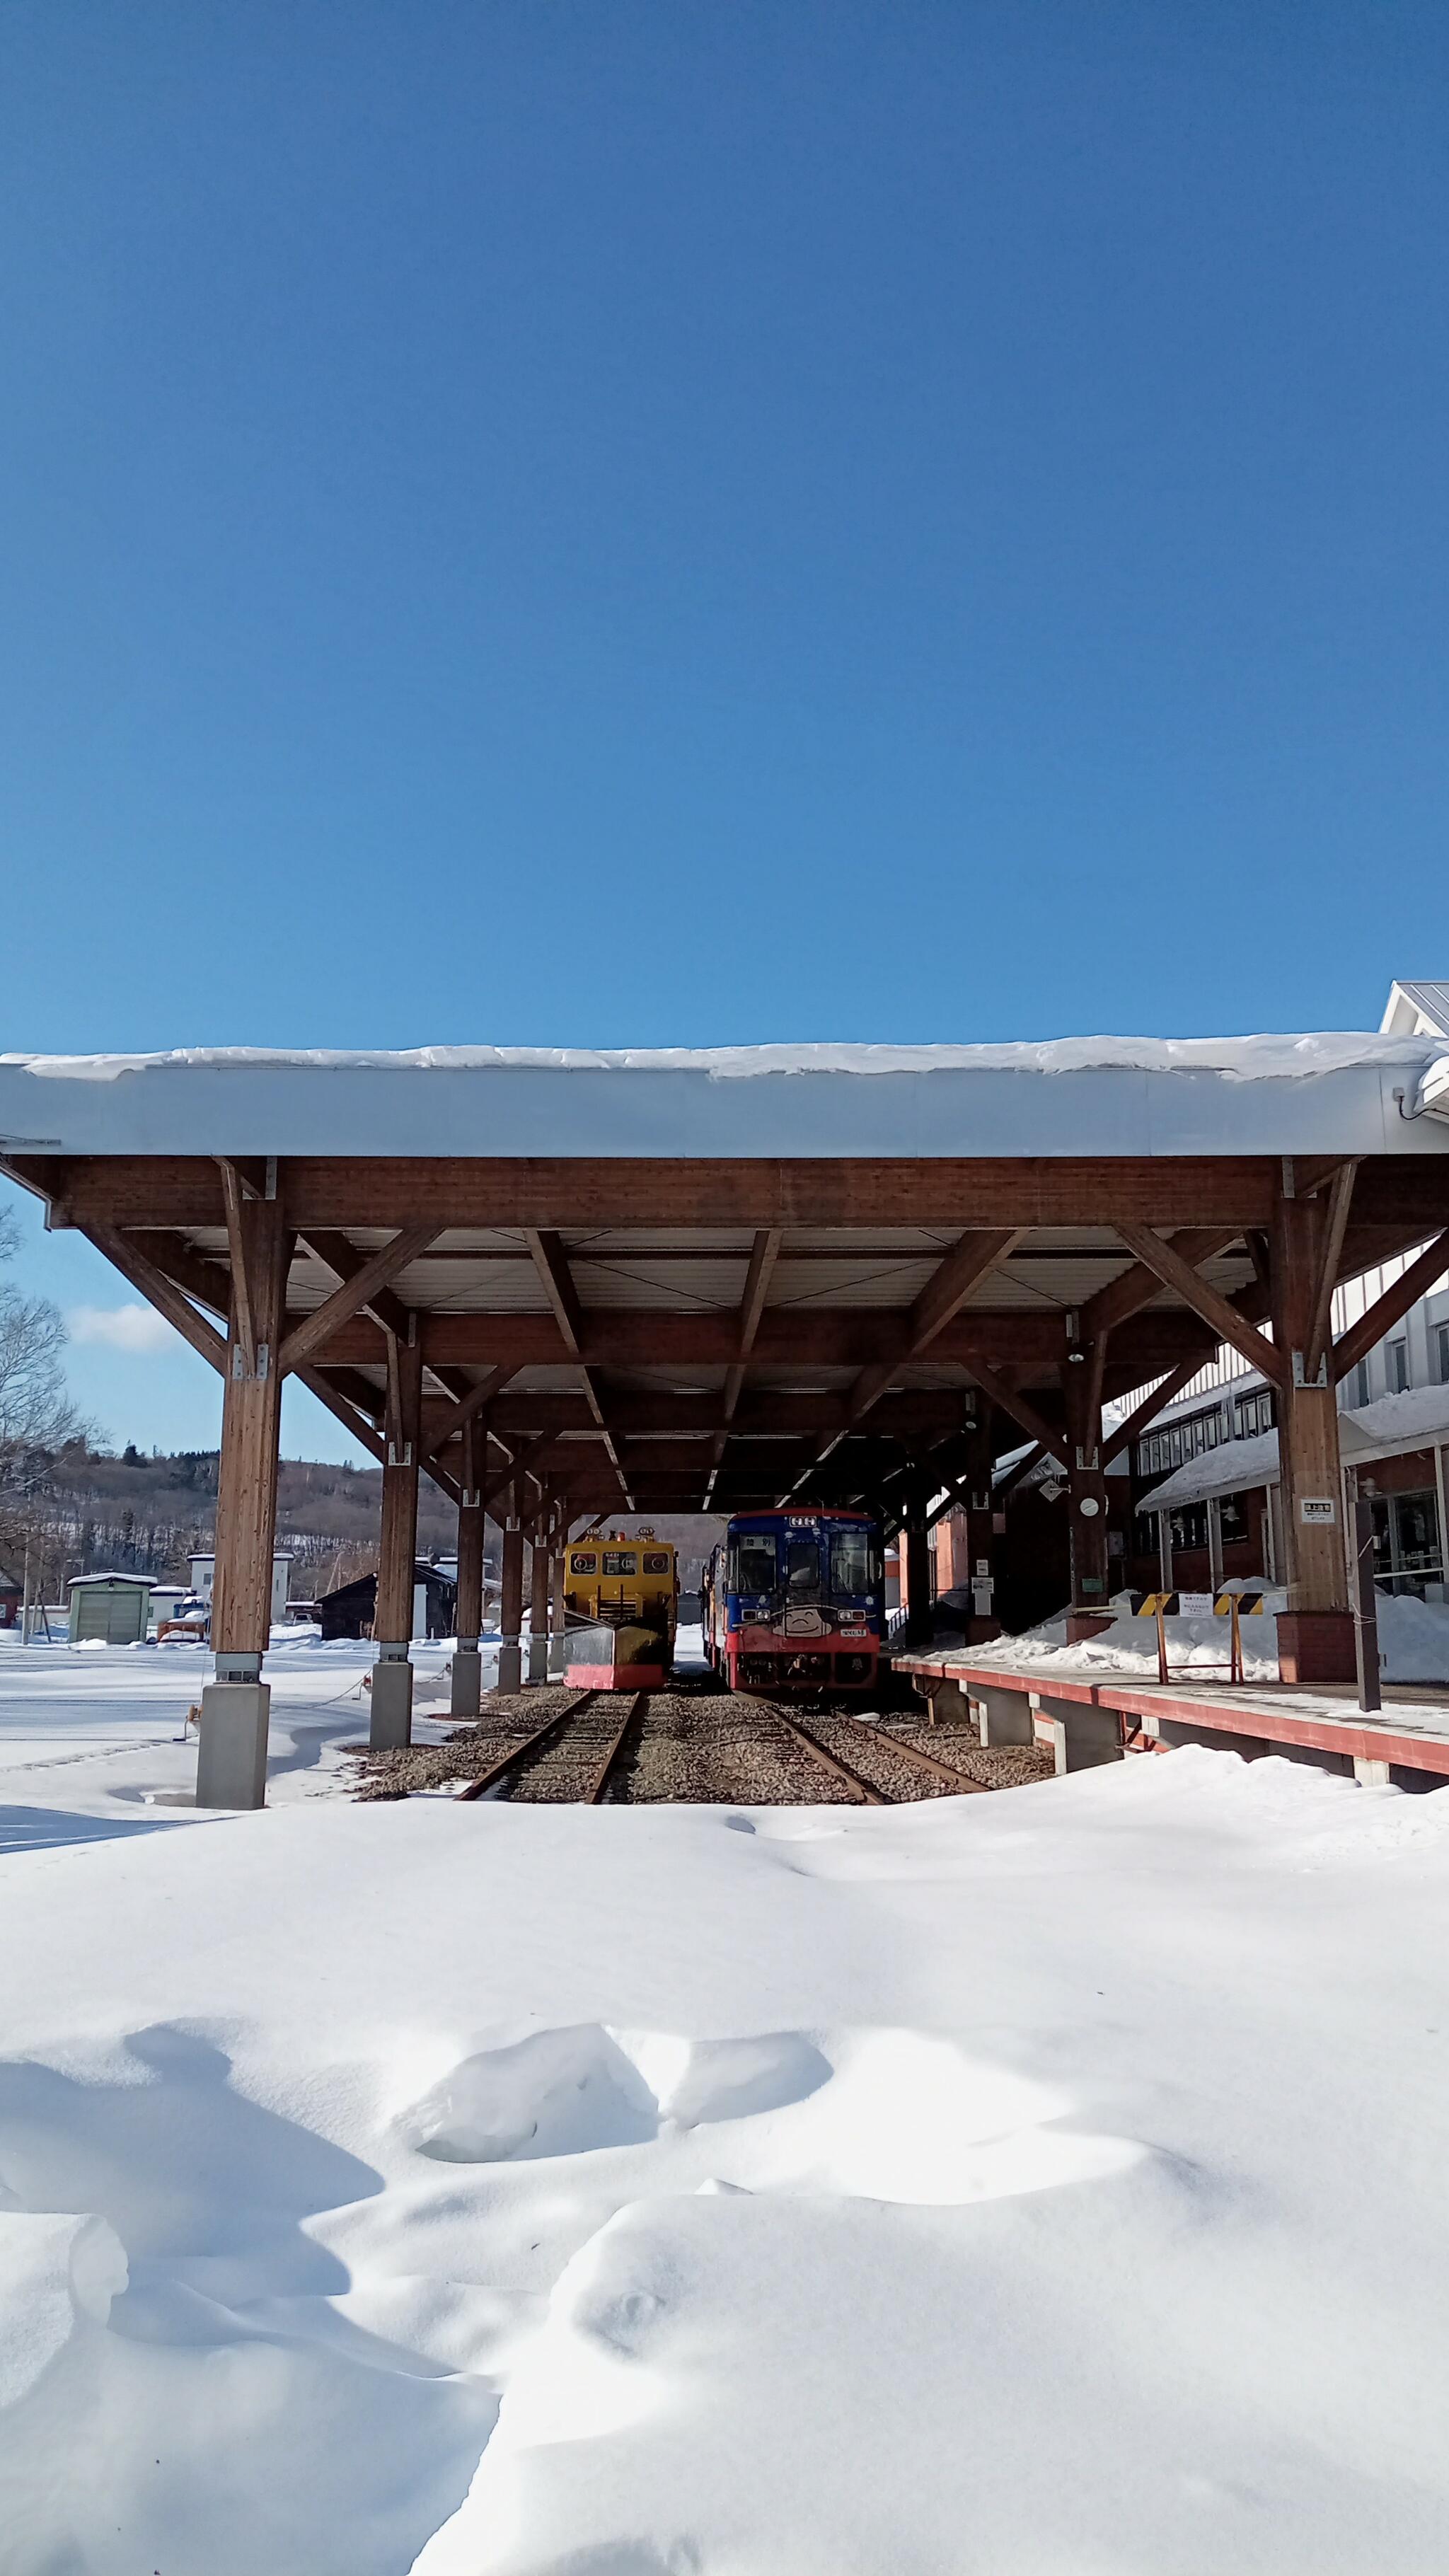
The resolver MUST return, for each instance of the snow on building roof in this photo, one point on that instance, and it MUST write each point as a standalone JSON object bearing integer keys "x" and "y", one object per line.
{"x": 1320, "y": 1092}
{"x": 1417, "y": 1010}
{"x": 143, "y": 1581}
{"x": 1384, "y": 1429}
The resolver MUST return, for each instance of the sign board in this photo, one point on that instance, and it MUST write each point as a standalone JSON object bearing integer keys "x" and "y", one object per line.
{"x": 1194, "y": 1605}
{"x": 981, "y": 1592}
{"x": 1313, "y": 1507}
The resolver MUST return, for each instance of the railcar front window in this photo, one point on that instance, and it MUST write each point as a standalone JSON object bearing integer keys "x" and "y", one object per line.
{"x": 802, "y": 1569}
{"x": 852, "y": 1562}
{"x": 620, "y": 1560}
{"x": 754, "y": 1564}
{"x": 584, "y": 1564}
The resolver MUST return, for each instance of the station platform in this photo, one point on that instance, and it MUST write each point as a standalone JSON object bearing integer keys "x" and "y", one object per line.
{"x": 1087, "y": 1718}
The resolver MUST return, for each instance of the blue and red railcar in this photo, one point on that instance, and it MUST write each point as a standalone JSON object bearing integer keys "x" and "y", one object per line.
{"x": 794, "y": 1600}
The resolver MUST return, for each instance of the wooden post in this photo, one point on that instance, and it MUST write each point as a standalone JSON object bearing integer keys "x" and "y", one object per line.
{"x": 538, "y": 1604}
{"x": 1315, "y": 1633}
{"x": 917, "y": 1571}
{"x": 232, "y": 1763}
{"x": 510, "y": 1614}
{"x": 982, "y": 1623}
{"x": 556, "y": 1651}
{"x": 1081, "y": 1379}
{"x": 467, "y": 1667}
{"x": 397, "y": 1555}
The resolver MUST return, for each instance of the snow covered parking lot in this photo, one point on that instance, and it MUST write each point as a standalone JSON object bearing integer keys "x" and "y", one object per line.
{"x": 1044, "y": 2182}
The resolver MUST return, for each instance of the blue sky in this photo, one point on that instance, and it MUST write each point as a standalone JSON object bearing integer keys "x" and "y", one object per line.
{"x": 576, "y": 520}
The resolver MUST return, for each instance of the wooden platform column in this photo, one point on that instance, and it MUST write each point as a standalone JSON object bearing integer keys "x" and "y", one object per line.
{"x": 1315, "y": 1633}
{"x": 556, "y": 1649}
{"x": 235, "y": 1708}
{"x": 510, "y": 1613}
{"x": 982, "y": 1623}
{"x": 1081, "y": 1377}
{"x": 467, "y": 1681}
{"x": 916, "y": 1567}
{"x": 538, "y": 1604}
{"x": 397, "y": 1556}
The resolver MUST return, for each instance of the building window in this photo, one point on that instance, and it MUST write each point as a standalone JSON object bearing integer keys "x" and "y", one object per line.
{"x": 1233, "y": 1511}
{"x": 1441, "y": 1352}
{"x": 1189, "y": 1527}
{"x": 1396, "y": 1355}
{"x": 1358, "y": 1385}
{"x": 1255, "y": 1413}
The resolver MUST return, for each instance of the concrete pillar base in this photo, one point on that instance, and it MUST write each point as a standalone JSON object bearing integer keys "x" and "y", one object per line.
{"x": 231, "y": 1769}
{"x": 1370, "y": 1773}
{"x": 510, "y": 1667}
{"x": 1082, "y": 1624}
{"x": 557, "y": 1657}
{"x": 1002, "y": 1716}
{"x": 1315, "y": 1646}
{"x": 392, "y": 1705}
{"x": 467, "y": 1682}
{"x": 538, "y": 1659}
{"x": 1082, "y": 1737}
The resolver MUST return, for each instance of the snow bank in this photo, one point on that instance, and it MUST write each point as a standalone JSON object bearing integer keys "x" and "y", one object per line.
{"x": 492, "y": 2191}
{"x": 1413, "y": 1642}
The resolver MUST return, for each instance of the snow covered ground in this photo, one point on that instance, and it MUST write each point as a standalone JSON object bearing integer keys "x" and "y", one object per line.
{"x": 1043, "y": 2182}
{"x": 93, "y": 1738}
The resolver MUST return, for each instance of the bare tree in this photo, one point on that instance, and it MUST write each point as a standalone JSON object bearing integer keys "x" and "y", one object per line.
{"x": 37, "y": 1417}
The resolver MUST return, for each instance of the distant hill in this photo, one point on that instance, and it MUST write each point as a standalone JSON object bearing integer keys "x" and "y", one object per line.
{"x": 144, "y": 1515}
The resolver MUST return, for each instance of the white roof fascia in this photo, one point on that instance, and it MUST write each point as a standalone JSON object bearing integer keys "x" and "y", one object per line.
{"x": 1324, "y": 1093}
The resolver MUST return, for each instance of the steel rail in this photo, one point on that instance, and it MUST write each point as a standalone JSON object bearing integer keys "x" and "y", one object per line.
{"x": 516, "y": 1752}
{"x": 594, "y": 1796}
{"x": 928, "y": 1761}
{"x": 864, "y": 1791}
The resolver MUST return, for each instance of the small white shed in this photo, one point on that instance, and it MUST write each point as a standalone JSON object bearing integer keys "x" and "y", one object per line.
{"x": 203, "y": 1575}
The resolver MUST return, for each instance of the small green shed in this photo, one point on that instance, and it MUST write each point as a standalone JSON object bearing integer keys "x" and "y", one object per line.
{"x": 114, "y": 1607}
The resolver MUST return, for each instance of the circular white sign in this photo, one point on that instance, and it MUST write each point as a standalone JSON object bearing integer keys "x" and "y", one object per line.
{"x": 1089, "y": 1507}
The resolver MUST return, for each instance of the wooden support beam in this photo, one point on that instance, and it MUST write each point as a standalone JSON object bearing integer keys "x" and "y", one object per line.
{"x": 1208, "y": 1302}
{"x": 246, "y": 1497}
{"x": 1017, "y": 1406}
{"x": 373, "y": 1273}
{"x": 1136, "y": 1288}
{"x": 398, "y": 1544}
{"x": 233, "y": 1198}
{"x": 1320, "y": 1330}
{"x": 1386, "y": 1311}
{"x": 160, "y": 1292}
{"x": 363, "y": 1431}
{"x": 464, "y": 1410}
{"x": 945, "y": 1293}
{"x": 551, "y": 1263}
{"x": 764, "y": 1254}
{"x": 1147, "y": 1411}
{"x": 1310, "y": 1479}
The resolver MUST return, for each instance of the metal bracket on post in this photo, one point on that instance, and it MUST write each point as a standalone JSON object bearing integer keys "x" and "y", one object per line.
{"x": 1301, "y": 1376}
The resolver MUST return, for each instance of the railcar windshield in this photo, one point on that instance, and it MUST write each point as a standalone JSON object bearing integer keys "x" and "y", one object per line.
{"x": 802, "y": 1567}
{"x": 754, "y": 1562}
{"x": 852, "y": 1561}
{"x": 620, "y": 1561}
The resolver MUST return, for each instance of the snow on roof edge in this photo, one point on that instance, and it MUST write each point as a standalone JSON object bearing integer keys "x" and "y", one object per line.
{"x": 1266, "y": 1057}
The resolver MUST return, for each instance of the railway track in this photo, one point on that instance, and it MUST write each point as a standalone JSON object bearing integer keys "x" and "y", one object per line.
{"x": 595, "y": 1747}
{"x": 603, "y": 1764}
{"x": 868, "y": 1792}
